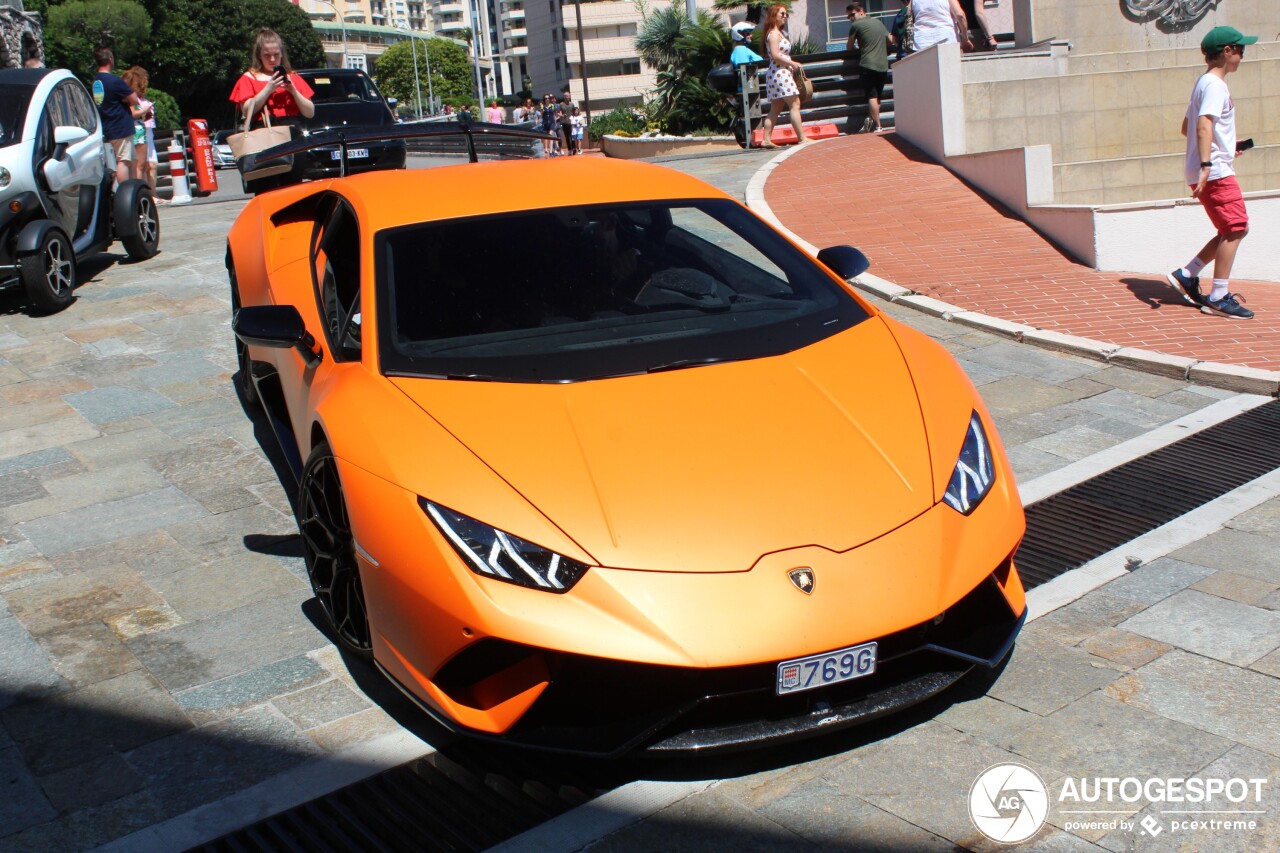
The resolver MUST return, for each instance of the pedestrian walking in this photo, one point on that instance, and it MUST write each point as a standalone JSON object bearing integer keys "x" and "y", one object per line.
{"x": 578, "y": 123}
{"x": 871, "y": 40}
{"x": 939, "y": 21}
{"x": 779, "y": 80}
{"x": 115, "y": 100}
{"x": 145, "y": 157}
{"x": 902, "y": 33}
{"x": 565, "y": 123}
{"x": 548, "y": 119}
{"x": 1210, "y": 128}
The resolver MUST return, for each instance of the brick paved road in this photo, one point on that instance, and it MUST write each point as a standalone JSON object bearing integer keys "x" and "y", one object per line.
{"x": 926, "y": 230}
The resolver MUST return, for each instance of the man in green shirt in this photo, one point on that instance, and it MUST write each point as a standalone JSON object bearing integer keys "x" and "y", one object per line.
{"x": 870, "y": 39}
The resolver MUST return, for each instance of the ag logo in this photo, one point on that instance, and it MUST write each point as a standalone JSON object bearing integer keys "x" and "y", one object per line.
{"x": 1009, "y": 803}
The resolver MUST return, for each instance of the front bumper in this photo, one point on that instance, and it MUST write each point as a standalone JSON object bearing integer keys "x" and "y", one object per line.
{"x": 601, "y": 707}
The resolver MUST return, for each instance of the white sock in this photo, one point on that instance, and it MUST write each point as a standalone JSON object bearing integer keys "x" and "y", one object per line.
{"x": 1219, "y": 288}
{"x": 1193, "y": 267}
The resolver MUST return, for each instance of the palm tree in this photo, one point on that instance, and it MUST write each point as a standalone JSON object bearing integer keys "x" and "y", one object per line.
{"x": 659, "y": 32}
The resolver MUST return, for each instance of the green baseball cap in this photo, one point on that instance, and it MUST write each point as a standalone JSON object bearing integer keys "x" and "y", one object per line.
{"x": 1219, "y": 37}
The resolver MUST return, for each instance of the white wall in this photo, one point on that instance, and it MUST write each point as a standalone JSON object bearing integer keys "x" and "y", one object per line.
{"x": 1149, "y": 238}
{"x": 1157, "y": 237}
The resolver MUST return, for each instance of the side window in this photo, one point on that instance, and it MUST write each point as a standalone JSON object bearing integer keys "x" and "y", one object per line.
{"x": 335, "y": 274}
{"x": 60, "y": 107}
{"x": 83, "y": 112}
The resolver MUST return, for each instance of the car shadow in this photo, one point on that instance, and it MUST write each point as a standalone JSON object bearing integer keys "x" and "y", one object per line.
{"x": 13, "y": 299}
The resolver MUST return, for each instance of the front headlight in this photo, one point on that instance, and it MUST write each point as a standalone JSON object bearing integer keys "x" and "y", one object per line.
{"x": 974, "y": 472}
{"x": 5, "y": 177}
{"x": 501, "y": 556}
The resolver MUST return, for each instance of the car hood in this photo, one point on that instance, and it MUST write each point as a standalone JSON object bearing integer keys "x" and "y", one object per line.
{"x": 706, "y": 469}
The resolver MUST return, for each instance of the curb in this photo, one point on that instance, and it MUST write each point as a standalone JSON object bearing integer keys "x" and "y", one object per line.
{"x": 1230, "y": 377}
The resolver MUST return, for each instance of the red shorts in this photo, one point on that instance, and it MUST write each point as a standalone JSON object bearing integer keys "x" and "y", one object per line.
{"x": 1224, "y": 203}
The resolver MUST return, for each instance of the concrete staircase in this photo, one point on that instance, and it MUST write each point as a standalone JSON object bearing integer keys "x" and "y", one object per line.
{"x": 837, "y": 92}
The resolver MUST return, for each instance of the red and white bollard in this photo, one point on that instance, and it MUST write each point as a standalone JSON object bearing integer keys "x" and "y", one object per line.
{"x": 178, "y": 173}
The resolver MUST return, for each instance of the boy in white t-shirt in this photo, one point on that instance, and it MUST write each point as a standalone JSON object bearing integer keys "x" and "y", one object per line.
{"x": 1210, "y": 129}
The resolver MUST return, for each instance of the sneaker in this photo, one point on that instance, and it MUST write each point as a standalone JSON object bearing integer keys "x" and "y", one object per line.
{"x": 1227, "y": 306}
{"x": 868, "y": 126}
{"x": 1188, "y": 286}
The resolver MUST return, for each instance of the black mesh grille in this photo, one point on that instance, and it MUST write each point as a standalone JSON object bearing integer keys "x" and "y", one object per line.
{"x": 1067, "y": 530}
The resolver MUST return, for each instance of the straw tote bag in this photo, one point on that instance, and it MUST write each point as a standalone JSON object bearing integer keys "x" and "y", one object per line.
{"x": 805, "y": 85}
{"x": 252, "y": 141}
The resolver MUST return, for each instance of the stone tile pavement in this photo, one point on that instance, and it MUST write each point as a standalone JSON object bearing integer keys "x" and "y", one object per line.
{"x": 159, "y": 649}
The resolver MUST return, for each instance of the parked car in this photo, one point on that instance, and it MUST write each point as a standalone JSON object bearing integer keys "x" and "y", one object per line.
{"x": 347, "y": 97}
{"x": 57, "y": 205}
{"x": 222, "y": 156}
{"x": 697, "y": 495}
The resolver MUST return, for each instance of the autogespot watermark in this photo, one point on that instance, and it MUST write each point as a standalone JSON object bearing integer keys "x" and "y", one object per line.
{"x": 1009, "y": 803}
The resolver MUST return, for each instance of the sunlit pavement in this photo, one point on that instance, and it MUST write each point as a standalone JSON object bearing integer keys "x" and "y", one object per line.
{"x": 164, "y": 680}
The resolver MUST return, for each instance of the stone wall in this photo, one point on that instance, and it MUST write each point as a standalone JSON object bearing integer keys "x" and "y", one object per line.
{"x": 1113, "y": 121}
{"x": 1109, "y": 26}
{"x": 20, "y": 35}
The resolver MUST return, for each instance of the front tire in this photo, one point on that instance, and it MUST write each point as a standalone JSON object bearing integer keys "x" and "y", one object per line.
{"x": 330, "y": 553}
{"x": 138, "y": 222}
{"x": 49, "y": 274}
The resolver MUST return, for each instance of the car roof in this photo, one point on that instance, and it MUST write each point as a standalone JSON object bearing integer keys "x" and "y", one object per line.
{"x": 25, "y": 77}
{"x": 313, "y": 72}
{"x": 388, "y": 199}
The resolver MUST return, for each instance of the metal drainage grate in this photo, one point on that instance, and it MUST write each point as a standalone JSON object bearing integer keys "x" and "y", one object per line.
{"x": 432, "y": 804}
{"x": 1067, "y": 530}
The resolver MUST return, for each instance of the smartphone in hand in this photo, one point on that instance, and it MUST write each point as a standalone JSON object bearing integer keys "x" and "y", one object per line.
{"x": 1244, "y": 145}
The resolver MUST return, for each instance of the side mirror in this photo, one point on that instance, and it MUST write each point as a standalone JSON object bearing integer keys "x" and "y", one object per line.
{"x": 68, "y": 134}
{"x": 845, "y": 261}
{"x": 65, "y": 135}
{"x": 275, "y": 326}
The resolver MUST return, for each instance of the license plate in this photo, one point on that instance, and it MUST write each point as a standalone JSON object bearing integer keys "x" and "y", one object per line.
{"x": 352, "y": 153}
{"x": 828, "y": 668}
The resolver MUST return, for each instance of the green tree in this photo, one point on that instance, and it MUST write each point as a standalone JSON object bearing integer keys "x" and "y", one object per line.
{"x": 168, "y": 116}
{"x": 200, "y": 47}
{"x": 684, "y": 51}
{"x": 77, "y": 28}
{"x": 450, "y": 70}
{"x": 658, "y": 34}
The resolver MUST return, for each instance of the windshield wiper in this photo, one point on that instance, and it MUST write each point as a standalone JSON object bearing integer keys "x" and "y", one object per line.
{"x": 682, "y": 363}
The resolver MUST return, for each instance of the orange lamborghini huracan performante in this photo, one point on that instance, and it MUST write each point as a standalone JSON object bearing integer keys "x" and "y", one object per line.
{"x": 591, "y": 458}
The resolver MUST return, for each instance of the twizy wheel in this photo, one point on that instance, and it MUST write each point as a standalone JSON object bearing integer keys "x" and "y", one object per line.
{"x": 329, "y": 549}
{"x": 137, "y": 220}
{"x": 49, "y": 273}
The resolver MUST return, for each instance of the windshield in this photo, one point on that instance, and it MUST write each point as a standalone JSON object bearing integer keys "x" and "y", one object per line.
{"x": 13, "y": 113}
{"x": 340, "y": 88}
{"x": 579, "y": 293}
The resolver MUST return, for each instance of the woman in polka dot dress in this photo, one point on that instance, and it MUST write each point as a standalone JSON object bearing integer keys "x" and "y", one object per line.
{"x": 780, "y": 85}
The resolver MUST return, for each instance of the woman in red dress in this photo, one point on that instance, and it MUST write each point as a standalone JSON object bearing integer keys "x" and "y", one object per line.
{"x": 285, "y": 94}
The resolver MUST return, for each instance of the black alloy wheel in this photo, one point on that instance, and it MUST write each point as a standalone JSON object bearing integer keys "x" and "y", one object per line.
{"x": 49, "y": 274}
{"x": 146, "y": 242}
{"x": 330, "y": 552}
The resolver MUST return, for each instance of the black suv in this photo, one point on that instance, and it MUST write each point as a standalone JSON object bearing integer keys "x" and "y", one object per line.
{"x": 346, "y": 96}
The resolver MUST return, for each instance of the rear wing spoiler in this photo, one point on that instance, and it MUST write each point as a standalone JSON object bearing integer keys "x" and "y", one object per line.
{"x": 350, "y": 137}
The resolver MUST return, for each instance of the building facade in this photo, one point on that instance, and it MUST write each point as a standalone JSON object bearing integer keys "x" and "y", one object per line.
{"x": 356, "y": 32}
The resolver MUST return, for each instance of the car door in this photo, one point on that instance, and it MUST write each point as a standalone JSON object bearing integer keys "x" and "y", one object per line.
{"x": 333, "y": 318}
{"x": 71, "y": 171}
